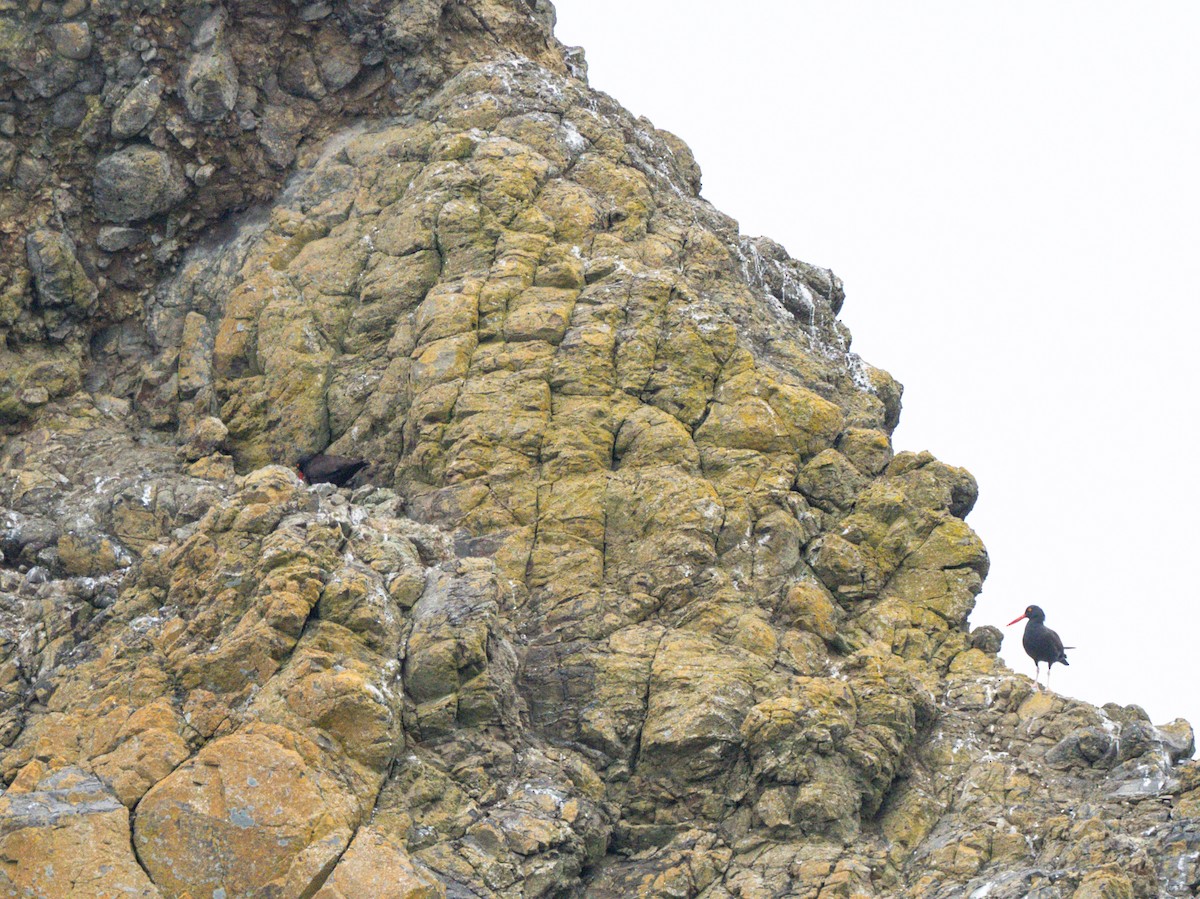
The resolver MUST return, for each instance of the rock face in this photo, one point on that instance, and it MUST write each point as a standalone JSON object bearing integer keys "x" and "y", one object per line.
{"x": 637, "y": 600}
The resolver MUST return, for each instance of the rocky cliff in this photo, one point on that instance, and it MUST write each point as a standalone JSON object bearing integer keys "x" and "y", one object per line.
{"x": 635, "y": 598}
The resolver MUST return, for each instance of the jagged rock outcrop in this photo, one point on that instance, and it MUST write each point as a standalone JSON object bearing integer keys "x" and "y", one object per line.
{"x": 637, "y": 600}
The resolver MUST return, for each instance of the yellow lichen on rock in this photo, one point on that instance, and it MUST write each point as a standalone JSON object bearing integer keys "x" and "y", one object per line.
{"x": 635, "y": 596}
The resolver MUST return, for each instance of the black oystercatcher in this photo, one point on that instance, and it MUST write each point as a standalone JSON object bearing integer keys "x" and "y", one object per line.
{"x": 336, "y": 470}
{"x": 1041, "y": 644}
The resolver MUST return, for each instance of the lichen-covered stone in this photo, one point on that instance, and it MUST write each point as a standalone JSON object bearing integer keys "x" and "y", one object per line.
{"x": 376, "y": 865}
{"x": 226, "y": 820}
{"x": 32, "y": 377}
{"x": 138, "y": 107}
{"x": 58, "y": 278}
{"x": 65, "y": 294}
{"x": 64, "y": 834}
{"x": 636, "y": 598}
{"x": 136, "y": 183}
{"x": 71, "y": 40}
{"x": 208, "y": 83}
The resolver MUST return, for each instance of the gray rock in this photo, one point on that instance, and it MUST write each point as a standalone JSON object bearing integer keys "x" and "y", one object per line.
{"x": 114, "y": 238}
{"x": 337, "y": 60}
{"x": 204, "y": 438}
{"x": 203, "y": 174}
{"x": 135, "y": 183}
{"x": 30, "y": 174}
{"x": 50, "y": 75}
{"x": 72, "y": 40}
{"x": 279, "y": 133}
{"x": 1178, "y": 740}
{"x": 69, "y": 110}
{"x": 137, "y": 110}
{"x": 1088, "y": 747}
{"x": 314, "y": 11}
{"x": 1126, "y": 714}
{"x": 1137, "y": 739}
{"x": 91, "y": 81}
{"x": 129, "y": 66}
{"x": 8, "y": 159}
{"x": 64, "y": 795}
{"x": 299, "y": 76}
{"x": 337, "y": 71}
{"x": 182, "y": 131}
{"x": 412, "y": 25}
{"x": 209, "y": 31}
{"x": 576, "y": 60}
{"x": 25, "y": 536}
{"x": 34, "y": 396}
{"x": 58, "y": 277}
{"x": 987, "y": 638}
{"x": 209, "y": 84}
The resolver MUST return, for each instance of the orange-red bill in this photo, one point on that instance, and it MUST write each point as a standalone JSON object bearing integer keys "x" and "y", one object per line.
{"x": 1014, "y": 621}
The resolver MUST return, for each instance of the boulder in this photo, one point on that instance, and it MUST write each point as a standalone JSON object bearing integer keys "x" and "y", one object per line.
{"x": 135, "y": 183}
{"x": 138, "y": 107}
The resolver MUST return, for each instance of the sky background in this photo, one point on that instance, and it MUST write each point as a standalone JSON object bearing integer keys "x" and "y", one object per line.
{"x": 1011, "y": 194}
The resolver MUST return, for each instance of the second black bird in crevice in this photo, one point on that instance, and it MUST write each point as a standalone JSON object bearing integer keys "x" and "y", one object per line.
{"x": 336, "y": 470}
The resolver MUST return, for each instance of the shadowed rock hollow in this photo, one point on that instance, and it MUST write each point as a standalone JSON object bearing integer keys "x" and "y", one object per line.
{"x": 636, "y": 600}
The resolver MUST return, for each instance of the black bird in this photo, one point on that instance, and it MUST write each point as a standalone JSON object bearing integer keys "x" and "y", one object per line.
{"x": 336, "y": 470}
{"x": 1041, "y": 644}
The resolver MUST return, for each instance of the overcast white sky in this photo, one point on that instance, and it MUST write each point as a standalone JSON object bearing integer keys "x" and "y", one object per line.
{"x": 1011, "y": 193}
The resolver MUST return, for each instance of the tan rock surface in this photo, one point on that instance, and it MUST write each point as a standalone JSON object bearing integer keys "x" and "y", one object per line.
{"x": 636, "y": 597}
{"x": 67, "y": 836}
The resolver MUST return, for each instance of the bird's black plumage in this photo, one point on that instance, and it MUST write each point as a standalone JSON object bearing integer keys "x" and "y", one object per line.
{"x": 1041, "y": 644}
{"x": 337, "y": 470}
